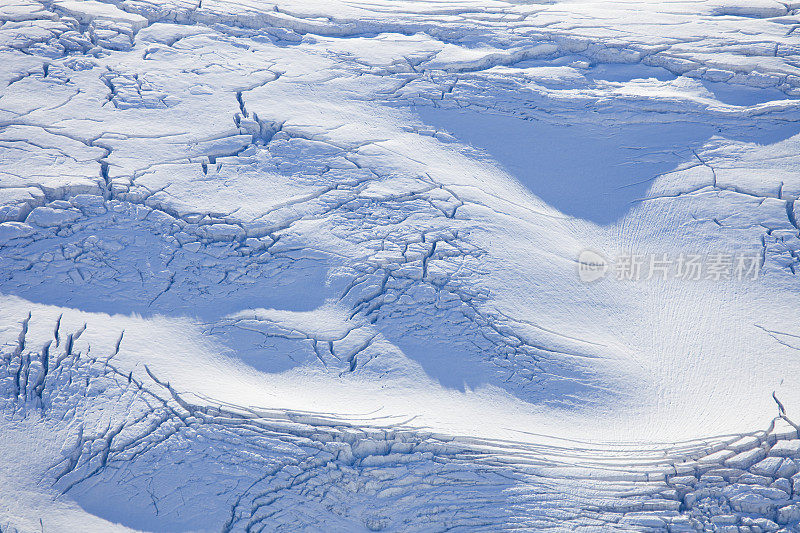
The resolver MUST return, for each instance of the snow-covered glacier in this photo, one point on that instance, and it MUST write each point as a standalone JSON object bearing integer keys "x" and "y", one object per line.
{"x": 402, "y": 266}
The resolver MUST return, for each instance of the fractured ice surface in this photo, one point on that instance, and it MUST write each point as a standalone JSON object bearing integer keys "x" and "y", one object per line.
{"x": 304, "y": 266}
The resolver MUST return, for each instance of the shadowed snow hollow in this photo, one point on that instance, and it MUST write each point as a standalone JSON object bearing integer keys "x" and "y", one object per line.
{"x": 314, "y": 266}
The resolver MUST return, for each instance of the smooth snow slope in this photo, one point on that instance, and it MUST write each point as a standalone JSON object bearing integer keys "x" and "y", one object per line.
{"x": 305, "y": 265}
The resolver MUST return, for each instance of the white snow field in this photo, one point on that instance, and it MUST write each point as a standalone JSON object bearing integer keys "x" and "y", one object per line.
{"x": 306, "y": 265}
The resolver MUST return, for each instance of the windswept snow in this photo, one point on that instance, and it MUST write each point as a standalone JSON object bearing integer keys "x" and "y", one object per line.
{"x": 313, "y": 266}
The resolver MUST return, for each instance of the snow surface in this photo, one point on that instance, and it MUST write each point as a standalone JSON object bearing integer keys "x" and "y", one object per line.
{"x": 312, "y": 265}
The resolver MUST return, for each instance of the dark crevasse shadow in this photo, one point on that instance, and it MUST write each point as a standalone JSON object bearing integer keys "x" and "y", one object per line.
{"x": 589, "y": 171}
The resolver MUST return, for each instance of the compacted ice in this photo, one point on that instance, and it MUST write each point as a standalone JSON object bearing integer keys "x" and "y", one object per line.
{"x": 386, "y": 265}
